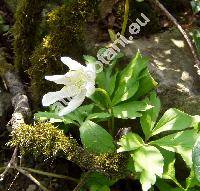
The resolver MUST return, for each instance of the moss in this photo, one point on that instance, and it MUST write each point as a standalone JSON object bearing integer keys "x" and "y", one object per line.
{"x": 25, "y": 31}
{"x": 65, "y": 38}
{"x": 45, "y": 139}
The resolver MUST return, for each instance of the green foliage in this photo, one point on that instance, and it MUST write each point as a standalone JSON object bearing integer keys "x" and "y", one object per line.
{"x": 195, "y": 6}
{"x": 180, "y": 142}
{"x": 173, "y": 119}
{"x": 149, "y": 156}
{"x": 129, "y": 79}
{"x": 130, "y": 110}
{"x": 96, "y": 139}
{"x": 98, "y": 182}
{"x": 196, "y": 158}
{"x": 130, "y": 142}
{"x": 149, "y": 118}
{"x": 149, "y": 162}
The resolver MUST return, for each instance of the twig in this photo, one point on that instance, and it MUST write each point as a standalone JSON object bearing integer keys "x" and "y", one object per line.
{"x": 50, "y": 174}
{"x": 11, "y": 163}
{"x": 24, "y": 172}
{"x": 21, "y": 109}
{"x": 187, "y": 39}
{"x": 82, "y": 181}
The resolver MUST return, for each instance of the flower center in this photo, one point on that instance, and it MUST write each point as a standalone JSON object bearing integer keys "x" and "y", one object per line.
{"x": 77, "y": 78}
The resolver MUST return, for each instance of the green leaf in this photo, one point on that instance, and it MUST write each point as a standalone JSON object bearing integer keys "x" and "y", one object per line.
{"x": 100, "y": 98}
{"x": 196, "y": 158}
{"x": 163, "y": 186}
{"x": 196, "y": 122}
{"x": 169, "y": 161}
{"x": 146, "y": 84}
{"x": 181, "y": 142}
{"x": 169, "y": 168}
{"x": 101, "y": 116}
{"x": 149, "y": 162}
{"x": 52, "y": 117}
{"x": 89, "y": 59}
{"x": 129, "y": 79}
{"x": 106, "y": 80}
{"x": 80, "y": 114}
{"x": 195, "y": 6}
{"x": 150, "y": 116}
{"x": 130, "y": 110}
{"x": 130, "y": 142}
{"x": 95, "y": 138}
{"x": 98, "y": 182}
{"x": 191, "y": 181}
{"x": 99, "y": 188}
{"x": 173, "y": 119}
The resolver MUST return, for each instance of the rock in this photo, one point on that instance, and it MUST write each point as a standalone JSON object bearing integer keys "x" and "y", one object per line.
{"x": 172, "y": 65}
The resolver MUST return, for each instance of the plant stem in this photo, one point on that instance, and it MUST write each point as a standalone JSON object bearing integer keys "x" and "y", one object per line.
{"x": 126, "y": 13}
{"x": 50, "y": 174}
{"x": 111, "y": 123}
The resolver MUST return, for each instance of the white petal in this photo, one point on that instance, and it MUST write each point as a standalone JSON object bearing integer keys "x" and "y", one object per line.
{"x": 90, "y": 71}
{"x": 90, "y": 87}
{"x": 58, "y": 79}
{"x": 53, "y": 97}
{"x": 91, "y": 67}
{"x": 72, "y": 64}
{"x": 73, "y": 104}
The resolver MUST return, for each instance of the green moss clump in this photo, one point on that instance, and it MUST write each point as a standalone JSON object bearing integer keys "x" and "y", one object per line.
{"x": 25, "y": 31}
{"x": 45, "y": 139}
{"x": 65, "y": 38}
{"x": 42, "y": 138}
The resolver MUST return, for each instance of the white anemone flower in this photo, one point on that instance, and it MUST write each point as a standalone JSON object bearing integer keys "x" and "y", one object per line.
{"x": 78, "y": 83}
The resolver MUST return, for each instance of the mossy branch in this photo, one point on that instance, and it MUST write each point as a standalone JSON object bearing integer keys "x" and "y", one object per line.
{"x": 47, "y": 140}
{"x": 27, "y": 19}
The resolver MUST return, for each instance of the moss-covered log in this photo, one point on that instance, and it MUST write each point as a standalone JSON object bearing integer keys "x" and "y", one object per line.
{"x": 27, "y": 19}
{"x": 49, "y": 141}
{"x": 65, "y": 38}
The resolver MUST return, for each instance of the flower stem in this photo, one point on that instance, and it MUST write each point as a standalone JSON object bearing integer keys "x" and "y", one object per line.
{"x": 111, "y": 123}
